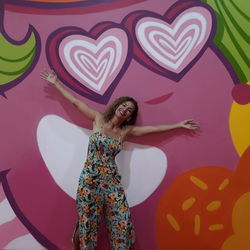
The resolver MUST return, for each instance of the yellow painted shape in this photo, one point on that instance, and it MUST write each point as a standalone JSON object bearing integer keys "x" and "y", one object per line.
{"x": 241, "y": 215}
{"x": 214, "y": 205}
{"x": 188, "y": 203}
{"x": 216, "y": 227}
{"x": 235, "y": 242}
{"x": 198, "y": 182}
{"x": 239, "y": 124}
{"x": 197, "y": 224}
{"x": 224, "y": 184}
{"x": 241, "y": 225}
{"x": 173, "y": 222}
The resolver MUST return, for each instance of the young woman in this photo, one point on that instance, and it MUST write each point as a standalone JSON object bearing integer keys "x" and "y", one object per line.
{"x": 100, "y": 191}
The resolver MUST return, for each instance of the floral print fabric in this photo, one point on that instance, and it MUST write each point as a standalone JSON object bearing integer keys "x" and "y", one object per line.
{"x": 100, "y": 192}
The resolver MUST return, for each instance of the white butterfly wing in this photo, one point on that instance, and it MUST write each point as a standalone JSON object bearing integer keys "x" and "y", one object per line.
{"x": 63, "y": 147}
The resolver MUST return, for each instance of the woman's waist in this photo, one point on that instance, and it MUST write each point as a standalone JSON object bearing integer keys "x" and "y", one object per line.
{"x": 100, "y": 165}
{"x": 101, "y": 171}
{"x": 101, "y": 160}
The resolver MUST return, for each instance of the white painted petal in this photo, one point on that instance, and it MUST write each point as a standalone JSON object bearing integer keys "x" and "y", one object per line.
{"x": 142, "y": 168}
{"x": 63, "y": 147}
{"x": 25, "y": 242}
{"x": 6, "y": 212}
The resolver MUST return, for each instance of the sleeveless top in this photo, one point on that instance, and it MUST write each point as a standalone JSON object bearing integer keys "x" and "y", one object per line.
{"x": 102, "y": 150}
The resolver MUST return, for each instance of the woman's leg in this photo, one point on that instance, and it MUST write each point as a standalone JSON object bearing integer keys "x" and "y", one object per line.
{"x": 118, "y": 220}
{"x": 90, "y": 207}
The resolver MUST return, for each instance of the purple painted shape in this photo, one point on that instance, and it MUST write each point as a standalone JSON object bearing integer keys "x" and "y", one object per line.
{"x": 57, "y": 5}
{"x": 62, "y": 8}
{"x": 11, "y": 84}
{"x": 18, "y": 212}
{"x": 53, "y": 56}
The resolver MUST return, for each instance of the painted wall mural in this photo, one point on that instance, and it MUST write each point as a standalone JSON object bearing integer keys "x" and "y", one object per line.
{"x": 65, "y": 6}
{"x": 91, "y": 64}
{"x": 232, "y": 36}
{"x": 209, "y": 212}
{"x": 17, "y": 58}
{"x": 179, "y": 59}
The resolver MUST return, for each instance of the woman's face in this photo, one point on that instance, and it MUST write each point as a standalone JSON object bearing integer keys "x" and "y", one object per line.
{"x": 125, "y": 110}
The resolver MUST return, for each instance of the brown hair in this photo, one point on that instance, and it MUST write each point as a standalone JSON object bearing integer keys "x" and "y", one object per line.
{"x": 110, "y": 111}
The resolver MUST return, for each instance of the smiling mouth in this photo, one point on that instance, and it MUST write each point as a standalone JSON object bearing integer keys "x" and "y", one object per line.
{"x": 122, "y": 113}
{"x": 159, "y": 99}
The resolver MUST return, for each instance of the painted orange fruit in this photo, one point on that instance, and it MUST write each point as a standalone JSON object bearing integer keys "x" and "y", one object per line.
{"x": 196, "y": 211}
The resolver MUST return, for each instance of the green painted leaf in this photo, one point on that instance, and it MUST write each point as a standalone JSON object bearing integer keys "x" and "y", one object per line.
{"x": 15, "y": 59}
{"x": 232, "y": 35}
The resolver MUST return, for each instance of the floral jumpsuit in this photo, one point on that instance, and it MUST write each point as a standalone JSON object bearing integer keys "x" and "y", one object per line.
{"x": 100, "y": 192}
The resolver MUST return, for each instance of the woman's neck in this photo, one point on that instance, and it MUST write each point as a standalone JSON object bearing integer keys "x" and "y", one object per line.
{"x": 114, "y": 123}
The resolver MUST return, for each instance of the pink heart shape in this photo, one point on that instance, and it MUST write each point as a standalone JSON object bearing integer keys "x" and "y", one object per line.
{"x": 95, "y": 63}
{"x": 90, "y": 63}
{"x": 171, "y": 44}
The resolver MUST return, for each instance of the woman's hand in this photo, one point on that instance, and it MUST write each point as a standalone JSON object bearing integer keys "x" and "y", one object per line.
{"x": 189, "y": 124}
{"x": 49, "y": 76}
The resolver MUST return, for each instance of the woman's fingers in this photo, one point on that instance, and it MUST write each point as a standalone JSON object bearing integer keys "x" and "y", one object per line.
{"x": 44, "y": 74}
{"x": 49, "y": 76}
{"x": 43, "y": 77}
{"x": 191, "y": 124}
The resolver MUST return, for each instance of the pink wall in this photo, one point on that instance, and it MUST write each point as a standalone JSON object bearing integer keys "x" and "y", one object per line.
{"x": 44, "y": 139}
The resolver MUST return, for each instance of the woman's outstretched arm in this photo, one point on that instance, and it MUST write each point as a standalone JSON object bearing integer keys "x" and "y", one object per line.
{"x": 51, "y": 77}
{"x": 144, "y": 130}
